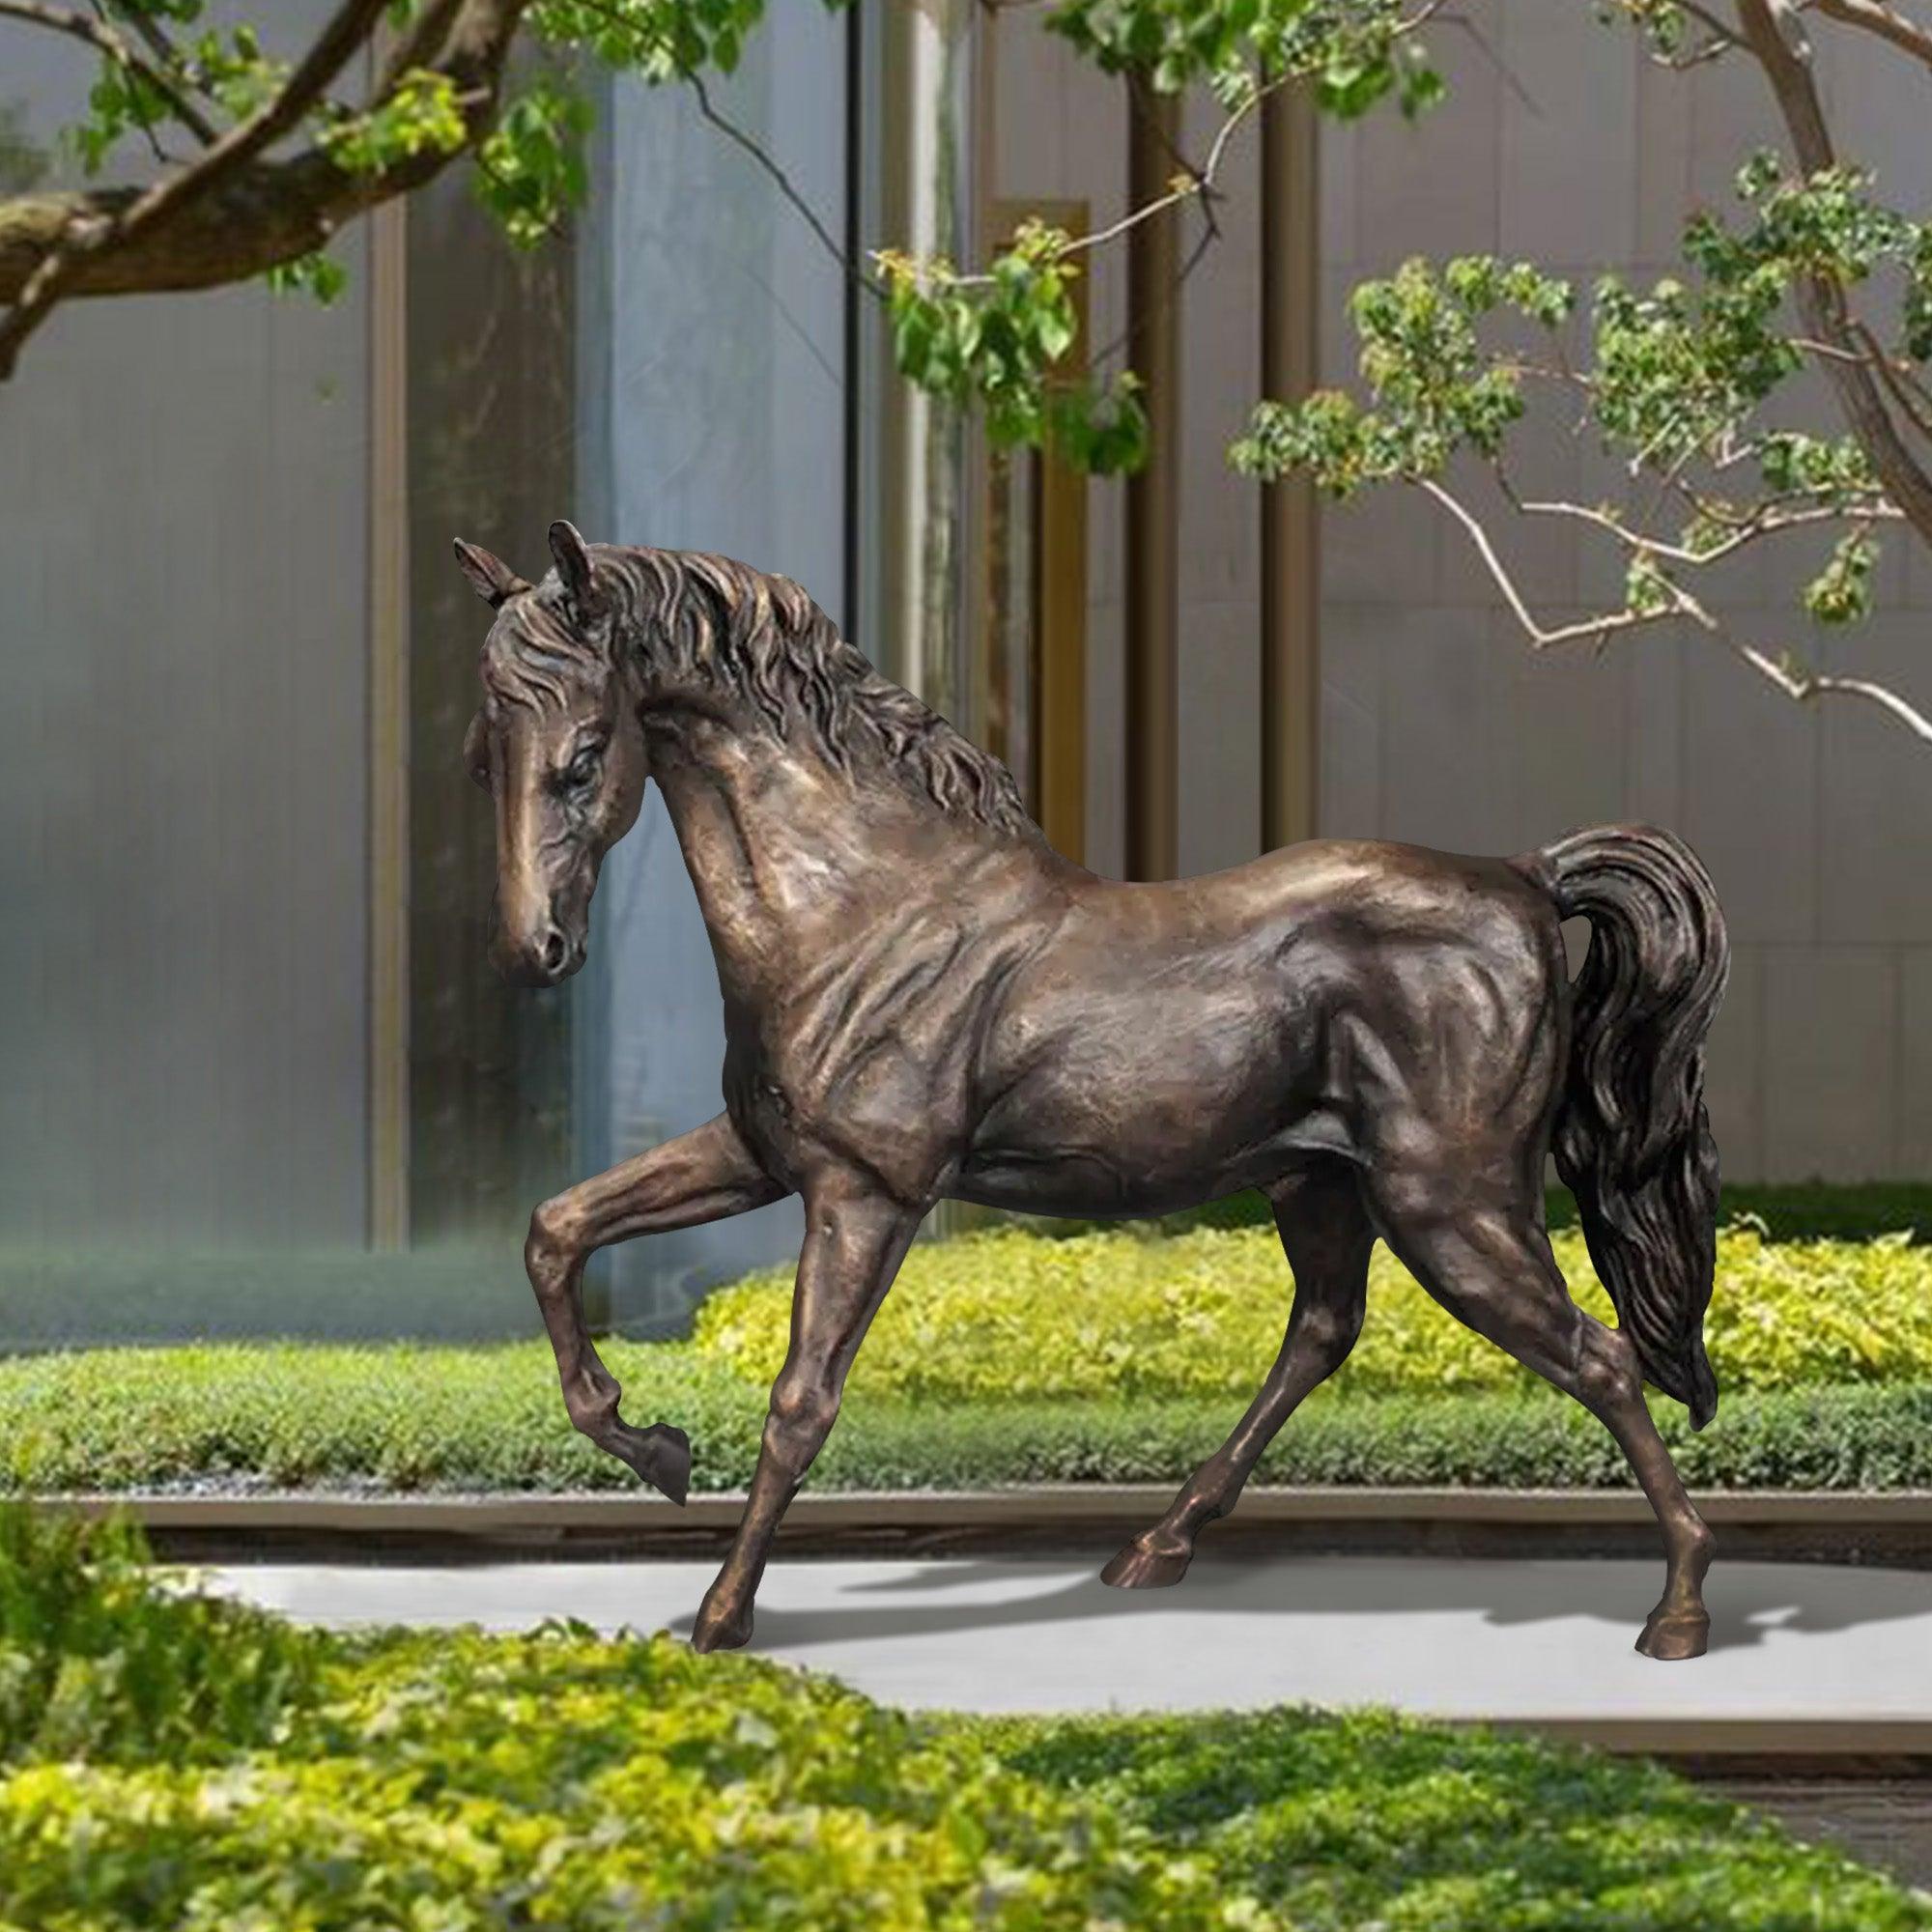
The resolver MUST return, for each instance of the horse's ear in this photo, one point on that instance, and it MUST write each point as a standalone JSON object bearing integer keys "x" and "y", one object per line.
{"x": 573, "y": 565}
{"x": 490, "y": 577}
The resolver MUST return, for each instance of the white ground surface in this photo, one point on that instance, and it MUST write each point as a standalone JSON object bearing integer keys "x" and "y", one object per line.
{"x": 1537, "y": 1642}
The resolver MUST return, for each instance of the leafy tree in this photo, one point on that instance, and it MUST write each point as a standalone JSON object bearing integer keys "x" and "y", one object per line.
{"x": 262, "y": 154}
{"x": 1690, "y": 384}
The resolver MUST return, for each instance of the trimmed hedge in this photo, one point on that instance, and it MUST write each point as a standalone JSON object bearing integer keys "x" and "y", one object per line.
{"x": 995, "y": 1315}
{"x": 1804, "y": 1210}
{"x": 458, "y": 1782}
{"x": 236, "y": 1418}
{"x": 999, "y": 1359}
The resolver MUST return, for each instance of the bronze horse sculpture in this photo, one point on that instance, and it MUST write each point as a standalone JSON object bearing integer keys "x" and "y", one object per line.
{"x": 923, "y": 1000}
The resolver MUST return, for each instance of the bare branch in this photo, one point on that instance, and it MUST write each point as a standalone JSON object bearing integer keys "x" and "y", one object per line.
{"x": 1889, "y": 22}
{"x": 1796, "y": 682}
{"x": 1766, "y": 521}
{"x": 784, "y": 183}
{"x": 1190, "y": 184}
{"x": 1713, "y": 23}
{"x": 418, "y": 47}
{"x": 1541, "y": 637}
{"x": 1900, "y": 378}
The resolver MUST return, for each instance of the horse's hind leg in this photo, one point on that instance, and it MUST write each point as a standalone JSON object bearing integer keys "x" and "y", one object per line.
{"x": 1327, "y": 1237}
{"x": 1488, "y": 1261}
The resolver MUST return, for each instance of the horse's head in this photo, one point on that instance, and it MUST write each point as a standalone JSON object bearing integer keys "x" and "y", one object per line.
{"x": 559, "y": 745}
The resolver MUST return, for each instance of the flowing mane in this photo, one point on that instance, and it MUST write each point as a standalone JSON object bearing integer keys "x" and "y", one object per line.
{"x": 694, "y": 617}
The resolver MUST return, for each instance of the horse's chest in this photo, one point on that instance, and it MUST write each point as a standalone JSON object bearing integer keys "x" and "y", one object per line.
{"x": 873, "y": 1085}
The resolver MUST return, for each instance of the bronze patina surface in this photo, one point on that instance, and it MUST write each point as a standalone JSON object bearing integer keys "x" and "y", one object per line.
{"x": 923, "y": 1000}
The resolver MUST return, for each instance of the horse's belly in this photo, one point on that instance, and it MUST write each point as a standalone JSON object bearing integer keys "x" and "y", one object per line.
{"x": 1114, "y": 1121}
{"x": 1090, "y": 1183}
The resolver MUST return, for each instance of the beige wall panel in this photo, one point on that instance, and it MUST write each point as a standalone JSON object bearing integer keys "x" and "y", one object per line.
{"x": 1431, "y": 186}
{"x": 1569, "y": 136}
{"x": 1444, "y": 734}
{"x": 1735, "y": 1068}
{"x": 1565, "y": 727}
{"x": 1654, "y": 734}
{"x": 1875, "y": 794}
{"x": 1220, "y": 744}
{"x": 1750, "y": 799}
{"x": 1915, "y": 1062}
{"x": 1830, "y": 1062}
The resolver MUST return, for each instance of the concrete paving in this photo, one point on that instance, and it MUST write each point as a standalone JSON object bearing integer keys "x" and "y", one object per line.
{"x": 1833, "y": 1658}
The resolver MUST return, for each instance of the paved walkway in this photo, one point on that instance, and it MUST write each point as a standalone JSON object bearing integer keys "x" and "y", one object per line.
{"x": 1801, "y": 1655}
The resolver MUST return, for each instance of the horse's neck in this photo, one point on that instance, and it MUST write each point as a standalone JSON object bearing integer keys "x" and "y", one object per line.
{"x": 789, "y": 855}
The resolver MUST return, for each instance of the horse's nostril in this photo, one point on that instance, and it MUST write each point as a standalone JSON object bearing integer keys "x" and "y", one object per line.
{"x": 556, "y": 951}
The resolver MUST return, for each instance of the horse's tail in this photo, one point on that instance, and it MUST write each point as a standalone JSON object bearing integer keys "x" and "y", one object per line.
{"x": 1633, "y": 1141}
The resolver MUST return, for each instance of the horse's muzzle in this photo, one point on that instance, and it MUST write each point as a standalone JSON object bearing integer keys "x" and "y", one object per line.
{"x": 546, "y": 959}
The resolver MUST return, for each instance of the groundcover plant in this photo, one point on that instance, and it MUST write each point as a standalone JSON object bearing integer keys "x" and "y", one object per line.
{"x": 167, "y": 1760}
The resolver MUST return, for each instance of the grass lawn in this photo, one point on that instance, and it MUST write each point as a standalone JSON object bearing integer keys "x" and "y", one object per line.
{"x": 1002, "y": 1358}
{"x": 170, "y": 1761}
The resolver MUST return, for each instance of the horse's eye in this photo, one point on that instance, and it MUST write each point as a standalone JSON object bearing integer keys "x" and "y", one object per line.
{"x": 582, "y": 769}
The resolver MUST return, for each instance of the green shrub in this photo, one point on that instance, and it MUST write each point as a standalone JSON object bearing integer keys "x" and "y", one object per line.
{"x": 993, "y": 1316}
{"x": 95, "y": 1663}
{"x": 1375, "y": 1820}
{"x": 453, "y": 1780}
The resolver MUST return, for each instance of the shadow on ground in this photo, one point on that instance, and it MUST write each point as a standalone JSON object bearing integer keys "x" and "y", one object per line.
{"x": 1747, "y": 1601}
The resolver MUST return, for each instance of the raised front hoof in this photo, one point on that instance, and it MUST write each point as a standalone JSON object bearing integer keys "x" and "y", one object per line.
{"x": 1672, "y": 1638}
{"x": 1139, "y": 1569}
{"x": 719, "y": 1630}
{"x": 661, "y": 1456}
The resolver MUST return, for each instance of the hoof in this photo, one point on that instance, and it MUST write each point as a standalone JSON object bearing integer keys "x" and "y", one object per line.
{"x": 661, "y": 1457}
{"x": 673, "y": 1461}
{"x": 1678, "y": 1636}
{"x": 1139, "y": 1569}
{"x": 719, "y": 1632}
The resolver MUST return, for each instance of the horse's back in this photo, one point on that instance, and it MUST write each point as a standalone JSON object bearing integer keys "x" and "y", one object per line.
{"x": 1203, "y": 1032}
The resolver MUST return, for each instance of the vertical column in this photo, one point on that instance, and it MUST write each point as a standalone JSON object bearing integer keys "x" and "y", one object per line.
{"x": 1032, "y": 632}
{"x": 925, "y": 159}
{"x": 1290, "y": 560}
{"x": 1152, "y": 615}
{"x": 388, "y": 688}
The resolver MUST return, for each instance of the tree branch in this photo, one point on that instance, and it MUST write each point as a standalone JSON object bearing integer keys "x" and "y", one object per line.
{"x": 784, "y": 183}
{"x": 1795, "y": 681}
{"x": 1888, "y": 23}
{"x": 1767, "y": 521}
{"x": 234, "y": 212}
{"x": 349, "y": 27}
{"x": 104, "y": 40}
{"x": 1821, "y": 301}
{"x": 1542, "y": 639}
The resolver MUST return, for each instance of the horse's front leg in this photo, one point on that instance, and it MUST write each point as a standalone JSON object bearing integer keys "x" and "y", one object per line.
{"x": 855, "y": 1237}
{"x": 703, "y": 1176}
